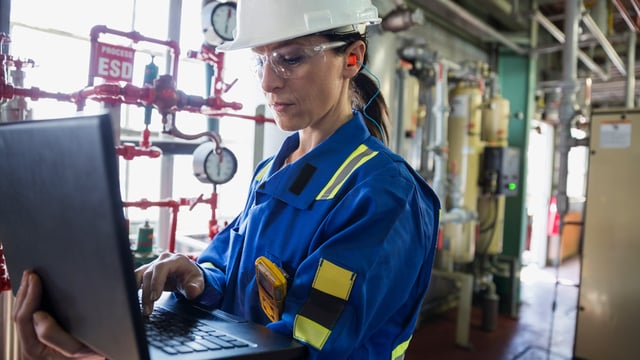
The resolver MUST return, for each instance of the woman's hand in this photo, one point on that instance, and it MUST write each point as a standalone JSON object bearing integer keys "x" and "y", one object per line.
{"x": 169, "y": 272}
{"x": 39, "y": 334}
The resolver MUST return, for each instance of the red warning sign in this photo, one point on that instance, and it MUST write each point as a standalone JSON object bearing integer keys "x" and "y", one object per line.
{"x": 113, "y": 62}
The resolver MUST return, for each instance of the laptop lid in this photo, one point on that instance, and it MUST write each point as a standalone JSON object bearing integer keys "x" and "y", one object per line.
{"x": 61, "y": 215}
{"x": 61, "y": 206}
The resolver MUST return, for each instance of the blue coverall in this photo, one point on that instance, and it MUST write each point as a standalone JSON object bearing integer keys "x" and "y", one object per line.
{"x": 354, "y": 227}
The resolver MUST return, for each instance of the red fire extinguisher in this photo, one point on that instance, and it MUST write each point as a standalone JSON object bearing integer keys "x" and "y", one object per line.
{"x": 553, "y": 223}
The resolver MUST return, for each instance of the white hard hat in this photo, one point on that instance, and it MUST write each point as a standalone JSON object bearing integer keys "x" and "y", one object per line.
{"x": 261, "y": 22}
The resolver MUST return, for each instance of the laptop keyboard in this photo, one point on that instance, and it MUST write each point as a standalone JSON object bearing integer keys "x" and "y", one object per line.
{"x": 175, "y": 334}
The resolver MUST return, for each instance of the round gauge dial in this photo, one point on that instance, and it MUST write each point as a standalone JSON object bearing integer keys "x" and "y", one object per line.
{"x": 223, "y": 20}
{"x": 211, "y": 167}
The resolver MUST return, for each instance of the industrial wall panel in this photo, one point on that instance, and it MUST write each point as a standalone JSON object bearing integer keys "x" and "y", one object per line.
{"x": 608, "y": 321}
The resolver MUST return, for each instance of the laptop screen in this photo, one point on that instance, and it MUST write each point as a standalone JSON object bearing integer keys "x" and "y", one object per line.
{"x": 61, "y": 215}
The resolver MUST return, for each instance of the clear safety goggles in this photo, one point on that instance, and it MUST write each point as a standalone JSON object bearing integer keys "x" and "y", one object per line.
{"x": 291, "y": 61}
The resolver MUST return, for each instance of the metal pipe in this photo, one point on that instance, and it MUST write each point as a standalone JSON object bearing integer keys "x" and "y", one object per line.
{"x": 560, "y": 36}
{"x": 584, "y": 42}
{"x": 625, "y": 15}
{"x": 567, "y": 113}
{"x": 441, "y": 115}
{"x": 5, "y": 11}
{"x": 401, "y": 19}
{"x": 567, "y": 104}
{"x": 606, "y": 45}
{"x": 9, "y": 346}
{"x": 599, "y": 11}
{"x": 636, "y": 6}
{"x": 631, "y": 71}
{"x": 167, "y": 162}
{"x": 457, "y": 215}
{"x": 465, "y": 297}
{"x": 505, "y": 6}
{"x": 476, "y": 23}
{"x": 398, "y": 126}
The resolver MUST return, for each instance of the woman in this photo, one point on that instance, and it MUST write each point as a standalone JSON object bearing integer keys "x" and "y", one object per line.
{"x": 349, "y": 225}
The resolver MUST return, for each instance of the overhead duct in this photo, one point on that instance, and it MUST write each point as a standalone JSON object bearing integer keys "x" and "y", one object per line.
{"x": 468, "y": 22}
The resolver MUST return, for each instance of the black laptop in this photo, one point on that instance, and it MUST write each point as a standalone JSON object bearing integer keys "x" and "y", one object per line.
{"x": 61, "y": 215}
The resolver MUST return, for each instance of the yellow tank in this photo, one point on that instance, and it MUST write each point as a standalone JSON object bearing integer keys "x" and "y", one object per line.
{"x": 465, "y": 147}
{"x": 495, "y": 121}
{"x": 491, "y": 208}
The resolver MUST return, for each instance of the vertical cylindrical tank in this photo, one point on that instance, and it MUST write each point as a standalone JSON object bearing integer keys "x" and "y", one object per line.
{"x": 491, "y": 208}
{"x": 495, "y": 121}
{"x": 463, "y": 165}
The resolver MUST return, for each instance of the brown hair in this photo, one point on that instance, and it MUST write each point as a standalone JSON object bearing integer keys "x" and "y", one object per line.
{"x": 366, "y": 91}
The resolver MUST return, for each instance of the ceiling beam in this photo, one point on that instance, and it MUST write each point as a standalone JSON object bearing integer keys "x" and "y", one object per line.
{"x": 560, "y": 37}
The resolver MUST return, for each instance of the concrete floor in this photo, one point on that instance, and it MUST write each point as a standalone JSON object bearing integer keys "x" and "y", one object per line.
{"x": 538, "y": 333}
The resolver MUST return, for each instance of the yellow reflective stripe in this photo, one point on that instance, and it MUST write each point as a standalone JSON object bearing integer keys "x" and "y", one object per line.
{"x": 334, "y": 280}
{"x": 207, "y": 265}
{"x": 358, "y": 157}
{"x": 400, "y": 350}
{"x": 263, "y": 171}
{"x": 310, "y": 332}
{"x": 332, "y": 286}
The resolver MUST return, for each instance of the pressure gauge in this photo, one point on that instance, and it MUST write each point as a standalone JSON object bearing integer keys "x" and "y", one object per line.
{"x": 218, "y": 21}
{"x": 214, "y": 168}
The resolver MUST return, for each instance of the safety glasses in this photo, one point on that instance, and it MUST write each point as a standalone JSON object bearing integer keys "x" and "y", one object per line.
{"x": 291, "y": 61}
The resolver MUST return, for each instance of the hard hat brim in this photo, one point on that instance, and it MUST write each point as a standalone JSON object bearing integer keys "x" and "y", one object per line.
{"x": 252, "y": 43}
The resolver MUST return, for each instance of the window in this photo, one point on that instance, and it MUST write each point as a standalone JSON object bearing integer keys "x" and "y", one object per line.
{"x": 60, "y": 46}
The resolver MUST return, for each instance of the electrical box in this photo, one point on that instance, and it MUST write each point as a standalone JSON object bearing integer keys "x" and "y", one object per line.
{"x": 608, "y": 320}
{"x": 500, "y": 174}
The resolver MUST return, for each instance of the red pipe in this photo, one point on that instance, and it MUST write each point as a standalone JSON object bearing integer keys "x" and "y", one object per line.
{"x": 256, "y": 118}
{"x": 130, "y": 151}
{"x": 213, "y": 223}
{"x": 175, "y": 207}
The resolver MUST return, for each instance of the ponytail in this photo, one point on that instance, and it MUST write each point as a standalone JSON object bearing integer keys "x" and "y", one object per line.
{"x": 366, "y": 95}
{"x": 368, "y": 99}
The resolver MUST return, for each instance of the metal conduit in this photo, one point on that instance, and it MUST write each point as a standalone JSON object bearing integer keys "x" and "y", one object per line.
{"x": 631, "y": 58}
{"x": 606, "y": 45}
{"x": 559, "y": 35}
{"x": 473, "y": 21}
{"x": 636, "y": 6}
{"x": 625, "y": 15}
{"x": 569, "y": 78}
{"x": 630, "y": 93}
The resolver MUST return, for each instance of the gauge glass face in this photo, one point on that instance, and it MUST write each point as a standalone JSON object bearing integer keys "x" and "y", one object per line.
{"x": 223, "y": 20}
{"x": 220, "y": 168}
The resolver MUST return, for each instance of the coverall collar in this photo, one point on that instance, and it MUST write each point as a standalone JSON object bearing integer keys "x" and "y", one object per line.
{"x": 299, "y": 183}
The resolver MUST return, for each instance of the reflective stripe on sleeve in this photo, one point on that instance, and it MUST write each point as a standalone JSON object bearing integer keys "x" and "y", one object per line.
{"x": 334, "y": 280}
{"x": 310, "y": 332}
{"x": 330, "y": 291}
{"x": 400, "y": 350}
{"x": 358, "y": 157}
